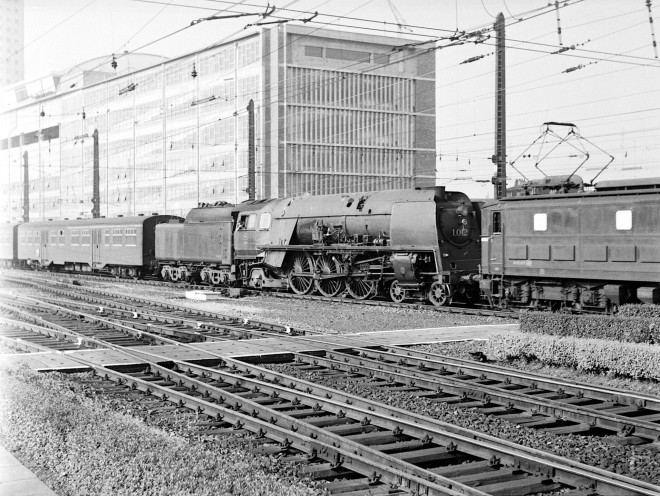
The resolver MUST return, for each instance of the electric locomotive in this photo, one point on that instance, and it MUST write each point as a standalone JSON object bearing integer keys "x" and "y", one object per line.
{"x": 590, "y": 250}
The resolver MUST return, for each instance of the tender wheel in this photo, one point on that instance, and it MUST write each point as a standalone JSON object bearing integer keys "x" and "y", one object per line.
{"x": 330, "y": 281}
{"x": 360, "y": 288}
{"x": 397, "y": 293}
{"x": 438, "y": 294}
{"x": 471, "y": 295}
{"x": 301, "y": 275}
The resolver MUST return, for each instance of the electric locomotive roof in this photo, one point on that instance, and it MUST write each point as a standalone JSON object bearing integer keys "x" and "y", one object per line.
{"x": 628, "y": 184}
{"x": 616, "y": 187}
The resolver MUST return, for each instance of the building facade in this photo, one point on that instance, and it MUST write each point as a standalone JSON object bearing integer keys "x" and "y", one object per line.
{"x": 11, "y": 41}
{"x": 333, "y": 112}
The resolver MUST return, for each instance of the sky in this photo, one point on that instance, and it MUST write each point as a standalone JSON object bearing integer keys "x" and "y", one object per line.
{"x": 605, "y": 80}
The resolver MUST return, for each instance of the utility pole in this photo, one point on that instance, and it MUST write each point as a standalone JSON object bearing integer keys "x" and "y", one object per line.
{"x": 499, "y": 158}
{"x": 26, "y": 188}
{"x": 251, "y": 154}
{"x": 96, "y": 200}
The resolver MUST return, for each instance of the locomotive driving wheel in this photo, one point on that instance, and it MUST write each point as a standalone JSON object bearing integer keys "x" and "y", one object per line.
{"x": 329, "y": 281}
{"x": 397, "y": 293}
{"x": 438, "y": 294}
{"x": 360, "y": 288}
{"x": 301, "y": 275}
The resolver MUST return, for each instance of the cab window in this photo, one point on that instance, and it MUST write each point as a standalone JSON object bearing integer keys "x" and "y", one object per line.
{"x": 624, "y": 220}
{"x": 264, "y": 220}
{"x": 497, "y": 222}
{"x": 541, "y": 222}
{"x": 247, "y": 222}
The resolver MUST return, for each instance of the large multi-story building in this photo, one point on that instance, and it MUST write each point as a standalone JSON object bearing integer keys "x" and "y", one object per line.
{"x": 11, "y": 42}
{"x": 333, "y": 112}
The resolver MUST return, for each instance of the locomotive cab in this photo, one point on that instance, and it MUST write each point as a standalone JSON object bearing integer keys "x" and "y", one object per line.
{"x": 253, "y": 229}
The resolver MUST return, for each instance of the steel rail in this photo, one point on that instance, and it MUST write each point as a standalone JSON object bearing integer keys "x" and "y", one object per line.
{"x": 524, "y": 457}
{"x": 487, "y": 396}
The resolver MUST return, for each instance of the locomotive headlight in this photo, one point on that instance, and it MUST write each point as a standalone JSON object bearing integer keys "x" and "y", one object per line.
{"x": 464, "y": 222}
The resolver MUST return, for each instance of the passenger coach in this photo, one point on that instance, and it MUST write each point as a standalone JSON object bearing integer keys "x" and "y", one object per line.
{"x": 8, "y": 244}
{"x": 122, "y": 246}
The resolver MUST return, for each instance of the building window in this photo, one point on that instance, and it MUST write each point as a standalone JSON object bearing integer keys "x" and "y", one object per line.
{"x": 350, "y": 55}
{"x": 313, "y": 51}
{"x": 381, "y": 58}
{"x": 624, "y": 220}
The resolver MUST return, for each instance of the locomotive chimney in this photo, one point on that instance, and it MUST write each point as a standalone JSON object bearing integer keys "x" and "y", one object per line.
{"x": 438, "y": 190}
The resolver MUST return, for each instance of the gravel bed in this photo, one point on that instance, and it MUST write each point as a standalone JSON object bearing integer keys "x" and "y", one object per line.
{"x": 310, "y": 315}
{"x": 337, "y": 318}
{"x": 634, "y": 461}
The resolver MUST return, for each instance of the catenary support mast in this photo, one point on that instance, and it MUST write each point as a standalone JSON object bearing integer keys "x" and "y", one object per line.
{"x": 499, "y": 158}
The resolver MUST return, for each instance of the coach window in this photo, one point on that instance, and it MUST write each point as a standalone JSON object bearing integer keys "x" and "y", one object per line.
{"x": 497, "y": 222}
{"x": 106, "y": 237}
{"x": 624, "y": 220}
{"x": 131, "y": 237}
{"x": 116, "y": 237}
{"x": 53, "y": 237}
{"x": 75, "y": 238}
{"x": 61, "y": 240}
{"x": 540, "y": 222}
{"x": 85, "y": 237}
{"x": 264, "y": 221}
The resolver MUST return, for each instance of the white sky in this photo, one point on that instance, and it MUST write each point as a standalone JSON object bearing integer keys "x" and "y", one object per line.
{"x": 614, "y": 99}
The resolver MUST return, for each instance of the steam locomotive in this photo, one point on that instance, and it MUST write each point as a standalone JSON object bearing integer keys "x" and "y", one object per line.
{"x": 547, "y": 244}
{"x": 406, "y": 243}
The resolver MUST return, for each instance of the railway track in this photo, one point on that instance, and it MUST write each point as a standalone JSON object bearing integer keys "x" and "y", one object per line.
{"x": 526, "y": 399}
{"x": 145, "y": 316}
{"x": 351, "y": 443}
{"x": 342, "y": 298}
{"x": 523, "y": 399}
{"x": 552, "y": 405}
